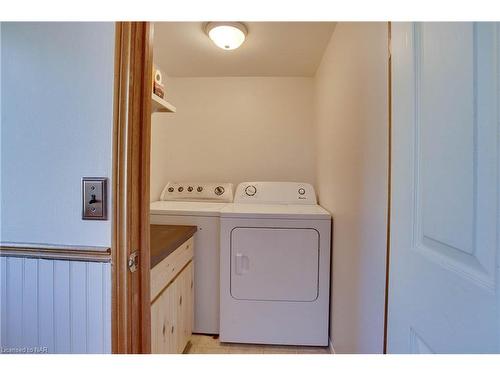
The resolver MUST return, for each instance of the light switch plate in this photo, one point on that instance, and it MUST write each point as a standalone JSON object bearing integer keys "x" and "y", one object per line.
{"x": 94, "y": 198}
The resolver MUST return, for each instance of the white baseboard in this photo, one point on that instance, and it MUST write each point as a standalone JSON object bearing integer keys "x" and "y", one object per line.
{"x": 330, "y": 346}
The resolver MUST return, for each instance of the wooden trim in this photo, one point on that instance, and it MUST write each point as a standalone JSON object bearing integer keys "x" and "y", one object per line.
{"x": 118, "y": 251}
{"x": 131, "y": 314}
{"x": 389, "y": 179}
{"x": 144, "y": 54}
{"x": 57, "y": 252}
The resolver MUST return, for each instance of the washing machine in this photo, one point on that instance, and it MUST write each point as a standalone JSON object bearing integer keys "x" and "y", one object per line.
{"x": 275, "y": 266}
{"x": 199, "y": 204}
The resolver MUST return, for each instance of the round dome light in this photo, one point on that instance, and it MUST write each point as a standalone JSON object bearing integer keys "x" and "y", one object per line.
{"x": 227, "y": 35}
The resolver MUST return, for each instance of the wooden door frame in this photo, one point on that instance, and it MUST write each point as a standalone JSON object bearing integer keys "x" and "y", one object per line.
{"x": 130, "y": 310}
{"x": 389, "y": 182}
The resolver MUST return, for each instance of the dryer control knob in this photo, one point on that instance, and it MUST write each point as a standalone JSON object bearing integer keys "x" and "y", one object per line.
{"x": 250, "y": 190}
{"x": 219, "y": 190}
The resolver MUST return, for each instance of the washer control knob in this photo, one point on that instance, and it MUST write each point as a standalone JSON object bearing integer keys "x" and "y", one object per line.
{"x": 190, "y": 189}
{"x": 219, "y": 190}
{"x": 170, "y": 189}
{"x": 199, "y": 189}
{"x": 180, "y": 189}
{"x": 302, "y": 191}
{"x": 250, "y": 190}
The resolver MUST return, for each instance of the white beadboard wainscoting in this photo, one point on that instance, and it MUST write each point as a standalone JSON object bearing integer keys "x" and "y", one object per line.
{"x": 55, "y": 306}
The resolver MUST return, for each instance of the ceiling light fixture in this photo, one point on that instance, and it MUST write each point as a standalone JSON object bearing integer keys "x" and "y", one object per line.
{"x": 226, "y": 35}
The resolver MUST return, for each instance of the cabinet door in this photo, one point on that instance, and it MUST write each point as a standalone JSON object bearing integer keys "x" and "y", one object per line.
{"x": 188, "y": 312}
{"x": 184, "y": 302}
{"x": 162, "y": 322}
{"x": 190, "y": 300}
{"x": 172, "y": 315}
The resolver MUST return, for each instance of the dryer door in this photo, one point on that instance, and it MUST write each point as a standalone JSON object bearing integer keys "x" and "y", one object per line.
{"x": 274, "y": 264}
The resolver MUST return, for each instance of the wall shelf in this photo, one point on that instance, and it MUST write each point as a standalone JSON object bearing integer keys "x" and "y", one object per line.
{"x": 160, "y": 105}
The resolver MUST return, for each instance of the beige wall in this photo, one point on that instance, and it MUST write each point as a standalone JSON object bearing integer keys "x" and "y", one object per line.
{"x": 352, "y": 147}
{"x": 234, "y": 129}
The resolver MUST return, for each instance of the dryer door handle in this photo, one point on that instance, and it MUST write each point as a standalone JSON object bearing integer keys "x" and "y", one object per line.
{"x": 242, "y": 264}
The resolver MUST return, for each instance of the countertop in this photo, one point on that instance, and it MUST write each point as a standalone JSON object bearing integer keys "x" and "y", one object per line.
{"x": 166, "y": 238}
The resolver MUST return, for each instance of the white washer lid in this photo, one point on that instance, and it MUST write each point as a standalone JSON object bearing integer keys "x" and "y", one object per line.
{"x": 186, "y": 208}
{"x": 275, "y": 211}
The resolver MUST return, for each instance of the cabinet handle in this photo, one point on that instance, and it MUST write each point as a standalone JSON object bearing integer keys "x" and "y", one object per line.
{"x": 180, "y": 300}
{"x": 164, "y": 330}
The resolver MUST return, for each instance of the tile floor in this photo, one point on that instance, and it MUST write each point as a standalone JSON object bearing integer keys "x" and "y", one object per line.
{"x": 205, "y": 344}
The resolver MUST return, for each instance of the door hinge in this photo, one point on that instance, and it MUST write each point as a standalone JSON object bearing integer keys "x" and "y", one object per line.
{"x": 133, "y": 261}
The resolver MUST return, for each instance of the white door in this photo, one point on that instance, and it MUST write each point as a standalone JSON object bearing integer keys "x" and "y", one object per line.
{"x": 444, "y": 256}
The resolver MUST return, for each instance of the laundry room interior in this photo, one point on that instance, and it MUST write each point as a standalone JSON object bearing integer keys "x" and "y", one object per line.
{"x": 218, "y": 187}
{"x": 300, "y": 110}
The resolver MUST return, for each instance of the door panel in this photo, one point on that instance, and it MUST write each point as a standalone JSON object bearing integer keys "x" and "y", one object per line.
{"x": 455, "y": 133}
{"x": 274, "y": 264}
{"x": 445, "y": 189}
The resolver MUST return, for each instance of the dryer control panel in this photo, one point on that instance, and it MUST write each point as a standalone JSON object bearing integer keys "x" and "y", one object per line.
{"x": 275, "y": 193}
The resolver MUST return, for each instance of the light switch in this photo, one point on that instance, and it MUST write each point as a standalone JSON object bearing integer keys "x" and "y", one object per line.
{"x": 94, "y": 200}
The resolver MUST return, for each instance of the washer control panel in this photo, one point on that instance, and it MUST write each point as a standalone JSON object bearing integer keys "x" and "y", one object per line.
{"x": 195, "y": 192}
{"x": 275, "y": 193}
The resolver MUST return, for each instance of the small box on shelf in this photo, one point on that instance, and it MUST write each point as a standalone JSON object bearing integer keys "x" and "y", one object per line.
{"x": 159, "y": 90}
{"x": 158, "y": 96}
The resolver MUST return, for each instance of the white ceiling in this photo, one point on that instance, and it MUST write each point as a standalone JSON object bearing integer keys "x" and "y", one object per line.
{"x": 182, "y": 49}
